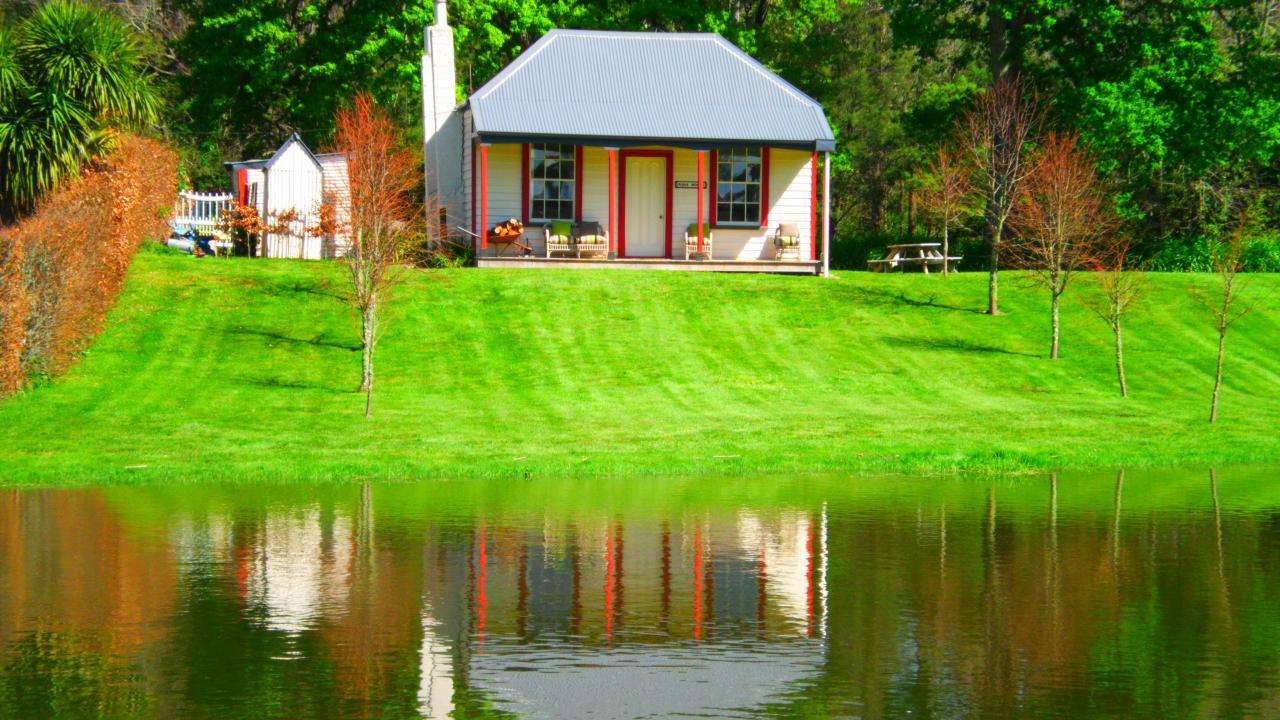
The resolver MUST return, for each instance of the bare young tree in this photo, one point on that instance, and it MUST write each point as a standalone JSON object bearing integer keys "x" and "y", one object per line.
{"x": 1059, "y": 220}
{"x": 1228, "y": 251}
{"x": 996, "y": 132}
{"x": 1121, "y": 287}
{"x": 948, "y": 196}
{"x": 384, "y": 177}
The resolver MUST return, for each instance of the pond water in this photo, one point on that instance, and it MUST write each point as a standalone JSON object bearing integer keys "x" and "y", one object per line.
{"x": 1138, "y": 595}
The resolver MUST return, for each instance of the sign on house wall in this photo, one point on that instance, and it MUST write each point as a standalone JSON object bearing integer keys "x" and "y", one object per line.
{"x": 689, "y": 184}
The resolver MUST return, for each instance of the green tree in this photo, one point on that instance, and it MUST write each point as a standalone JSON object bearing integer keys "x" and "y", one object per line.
{"x": 69, "y": 75}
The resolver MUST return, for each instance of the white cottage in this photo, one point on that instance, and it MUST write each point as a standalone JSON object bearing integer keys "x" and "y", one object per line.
{"x": 629, "y": 149}
{"x": 295, "y": 182}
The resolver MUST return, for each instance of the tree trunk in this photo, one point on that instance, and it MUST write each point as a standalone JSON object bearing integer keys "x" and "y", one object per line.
{"x": 946, "y": 247}
{"x": 993, "y": 284}
{"x": 911, "y": 212}
{"x": 368, "y": 328}
{"x": 1124, "y": 386}
{"x": 1217, "y": 381}
{"x": 1057, "y": 294}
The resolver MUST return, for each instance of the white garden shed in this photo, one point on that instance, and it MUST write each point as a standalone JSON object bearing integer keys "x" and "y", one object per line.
{"x": 288, "y": 190}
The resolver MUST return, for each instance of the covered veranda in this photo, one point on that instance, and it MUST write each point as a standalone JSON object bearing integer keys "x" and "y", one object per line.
{"x": 661, "y": 172}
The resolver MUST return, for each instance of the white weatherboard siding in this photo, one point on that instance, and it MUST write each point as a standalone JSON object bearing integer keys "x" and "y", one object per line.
{"x": 790, "y": 199}
{"x": 470, "y": 216}
{"x": 504, "y": 183}
{"x": 336, "y": 188}
{"x": 294, "y": 182}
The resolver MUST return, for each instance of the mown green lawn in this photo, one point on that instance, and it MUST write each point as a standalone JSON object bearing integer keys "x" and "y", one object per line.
{"x": 242, "y": 369}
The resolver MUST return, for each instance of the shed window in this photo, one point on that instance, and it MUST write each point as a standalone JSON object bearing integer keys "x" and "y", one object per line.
{"x": 739, "y": 173}
{"x": 552, "y": 178}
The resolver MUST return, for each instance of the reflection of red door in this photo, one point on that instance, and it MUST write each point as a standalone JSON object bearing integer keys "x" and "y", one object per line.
{"x": 645, "y": 185}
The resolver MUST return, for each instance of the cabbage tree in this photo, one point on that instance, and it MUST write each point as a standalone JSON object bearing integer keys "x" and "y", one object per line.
{"x": 70, "y": 74}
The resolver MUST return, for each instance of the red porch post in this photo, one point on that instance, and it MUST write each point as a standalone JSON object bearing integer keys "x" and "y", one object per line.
{"x": 484, "y": 198}
{"x": 702, "y": 157}
{"x": 613, "y": 203}
{"x": 813, "y": 209}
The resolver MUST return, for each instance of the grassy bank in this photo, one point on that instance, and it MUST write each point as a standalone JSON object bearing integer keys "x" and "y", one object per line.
{"x": 247, "y": 370}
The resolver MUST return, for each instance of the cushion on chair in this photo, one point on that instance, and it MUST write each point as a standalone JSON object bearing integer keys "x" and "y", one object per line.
{"x": 562, "y": 228}
{"x": 785, "y": 241}
{"x": 692, "y": 231}
{"x": 590, "y": 229}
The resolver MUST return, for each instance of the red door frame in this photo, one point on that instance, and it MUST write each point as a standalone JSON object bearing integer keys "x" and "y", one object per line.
{"x": 667, "y": 155}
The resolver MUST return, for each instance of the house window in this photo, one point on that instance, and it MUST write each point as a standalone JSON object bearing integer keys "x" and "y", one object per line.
{"x": 553, "y": 175}
{"x": 739, "y": 174}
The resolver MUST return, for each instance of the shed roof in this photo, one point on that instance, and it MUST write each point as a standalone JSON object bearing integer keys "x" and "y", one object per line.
{"x": 636, "y": 88}
{"x": 268, "y": 162}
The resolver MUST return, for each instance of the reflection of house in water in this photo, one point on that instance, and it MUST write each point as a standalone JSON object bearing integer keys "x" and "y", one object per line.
{"x": 288, "y": 567}
{"x": 701, "y": 613}
{"x": 670, "y": 616}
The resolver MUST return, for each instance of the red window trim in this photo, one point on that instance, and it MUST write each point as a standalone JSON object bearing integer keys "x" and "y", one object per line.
{"x": 578, "y": 174}
{"x": 764, "y": 187}
{"x": 525, "y": 151}
{"x": 526, "y": 154}
{"x": 765, "y": 162}
{"x": 669, "y": 156}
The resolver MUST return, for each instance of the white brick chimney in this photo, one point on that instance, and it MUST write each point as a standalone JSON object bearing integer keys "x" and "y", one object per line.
{"x": 441, "y": 121}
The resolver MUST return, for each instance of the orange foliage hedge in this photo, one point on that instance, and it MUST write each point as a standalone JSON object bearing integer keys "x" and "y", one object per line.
{"x": 62, "y": 266}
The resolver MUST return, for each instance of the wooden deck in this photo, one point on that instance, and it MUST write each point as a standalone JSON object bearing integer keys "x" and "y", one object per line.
{"x": 788, "y": 267}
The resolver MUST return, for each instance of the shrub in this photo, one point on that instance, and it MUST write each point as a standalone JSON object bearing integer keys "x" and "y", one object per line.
{"x": 1194, "y": 253}
{"x": 61, "y": 267}
{"x": 1262, "y": 255}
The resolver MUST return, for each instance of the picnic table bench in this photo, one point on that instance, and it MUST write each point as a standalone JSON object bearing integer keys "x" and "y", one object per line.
{"x": 910, "y": 256}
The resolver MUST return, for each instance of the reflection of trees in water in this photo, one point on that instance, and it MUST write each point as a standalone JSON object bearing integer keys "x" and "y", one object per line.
{"x": 68, "y": 675}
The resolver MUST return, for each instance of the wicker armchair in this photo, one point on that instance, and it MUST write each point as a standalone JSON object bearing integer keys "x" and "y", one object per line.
{"x": 559, "y": 236}
{"x": 691, "y": 241}
{"x": 592, "y": 239}
{"x": 786, "y": 241}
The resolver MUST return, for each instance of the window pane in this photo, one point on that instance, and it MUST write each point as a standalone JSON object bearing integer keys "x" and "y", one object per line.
{"x": 724, "y": 211}
{"x": 753, "y": 194}
{"x": 538, "y": 209}
{"x": 753, "y": 214}
{"x": 566, "y": 209}
{"x": 724, "y": 170}
{"x": 739, "y": 213}
{"x": 566, "y": 191}
{"x": 538, "y": 189}
{"x": 753, "y": 171}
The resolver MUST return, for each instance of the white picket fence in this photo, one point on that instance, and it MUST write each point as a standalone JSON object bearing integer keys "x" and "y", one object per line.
{"x": 201, "y": 212}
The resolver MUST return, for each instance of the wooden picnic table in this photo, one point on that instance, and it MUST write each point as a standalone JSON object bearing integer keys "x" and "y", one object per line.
{"x": 909, "y": 256}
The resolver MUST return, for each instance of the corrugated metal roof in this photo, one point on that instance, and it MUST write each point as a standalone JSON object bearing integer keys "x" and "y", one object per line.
{"x": 638, "y": 87}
